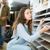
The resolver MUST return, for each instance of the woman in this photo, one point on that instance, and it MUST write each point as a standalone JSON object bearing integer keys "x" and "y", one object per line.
{"x": 23, "y": 27}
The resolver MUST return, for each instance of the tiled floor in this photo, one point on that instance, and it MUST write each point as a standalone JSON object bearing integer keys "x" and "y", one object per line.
{"x": 4, "y": 46}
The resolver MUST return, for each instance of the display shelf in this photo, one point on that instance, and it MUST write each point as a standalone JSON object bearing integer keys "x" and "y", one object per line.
{"x": 45, "y": 19}
{"x": 39, "y": 40}
{"x": 48, "y": 33}
{"x": 44, "y": 14}
{"x": 35, "y": 25}
{"x": 45, "y": 44}
{"x": 43, "y": 11}
{"x": 37, "y": 45}
{"x": 44, "y": 40}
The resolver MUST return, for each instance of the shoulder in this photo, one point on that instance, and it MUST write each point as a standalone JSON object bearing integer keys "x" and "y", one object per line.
{"x": 7, "y": 7}
{"x": 20, "y": 25}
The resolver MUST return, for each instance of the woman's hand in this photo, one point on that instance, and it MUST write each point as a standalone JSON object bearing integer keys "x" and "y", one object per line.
{"x": 44, "y": 29}
{"x": 41, "y": 21}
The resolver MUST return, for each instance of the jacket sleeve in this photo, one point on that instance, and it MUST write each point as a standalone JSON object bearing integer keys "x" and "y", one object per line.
{"x": 36, "y": 34}
{"x": 23, "y": 34}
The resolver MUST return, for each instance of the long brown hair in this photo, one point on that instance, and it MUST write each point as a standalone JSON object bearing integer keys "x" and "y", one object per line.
{"x": 21, "y": 19}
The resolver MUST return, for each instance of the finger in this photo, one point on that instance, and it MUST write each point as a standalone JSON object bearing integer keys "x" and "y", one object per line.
{"x": 42, "y": 20}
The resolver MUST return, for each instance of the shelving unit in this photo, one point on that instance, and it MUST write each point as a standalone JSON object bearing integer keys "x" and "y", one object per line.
{"x": 46, "y": 37}
{"x": 46, "y": 45}
{"x": 44, "y": 40}
{"x": 48, "y": 33}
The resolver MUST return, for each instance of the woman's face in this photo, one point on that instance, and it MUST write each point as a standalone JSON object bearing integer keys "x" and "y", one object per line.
{"x": 28, "y": 14}
{"x": 4, "y": 1}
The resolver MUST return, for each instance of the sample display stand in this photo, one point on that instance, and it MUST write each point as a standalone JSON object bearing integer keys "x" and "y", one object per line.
{"x": 43, "y": 43}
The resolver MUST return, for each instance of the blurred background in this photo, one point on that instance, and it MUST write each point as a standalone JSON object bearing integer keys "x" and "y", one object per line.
{"x": 40, "y": 9}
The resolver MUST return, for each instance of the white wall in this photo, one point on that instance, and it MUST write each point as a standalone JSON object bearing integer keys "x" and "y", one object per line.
{"x": 22, "y": 1}
{"x": 9, "y": 2}
{"x": 49, "y": 3}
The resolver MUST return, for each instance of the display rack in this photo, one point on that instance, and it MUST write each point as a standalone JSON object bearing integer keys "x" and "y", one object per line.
{"x": 44, "y": 40}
